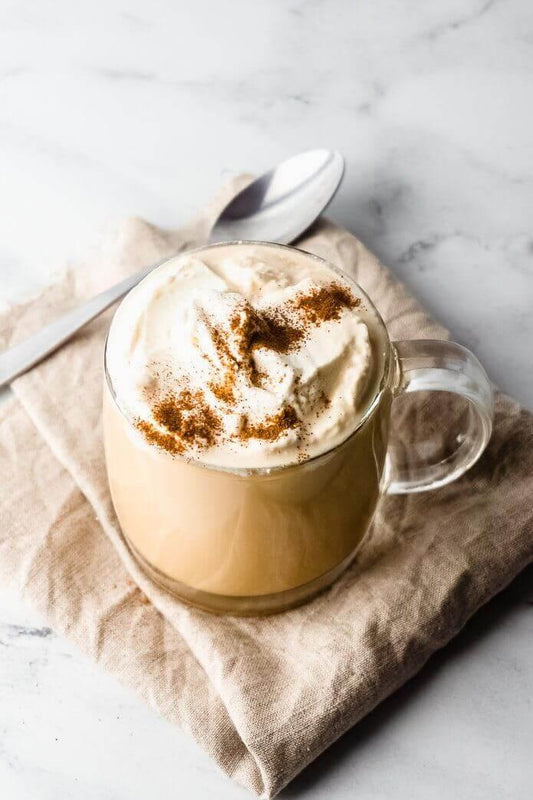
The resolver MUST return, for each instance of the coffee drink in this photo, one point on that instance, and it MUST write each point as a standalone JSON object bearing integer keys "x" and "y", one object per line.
{"x": 246, "y": 411}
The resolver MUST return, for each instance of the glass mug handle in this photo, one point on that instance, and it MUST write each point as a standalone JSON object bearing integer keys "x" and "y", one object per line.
{"x": 440, "y": 366}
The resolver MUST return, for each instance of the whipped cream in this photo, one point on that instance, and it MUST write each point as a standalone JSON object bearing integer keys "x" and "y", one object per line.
{"x": 242, "y": 356}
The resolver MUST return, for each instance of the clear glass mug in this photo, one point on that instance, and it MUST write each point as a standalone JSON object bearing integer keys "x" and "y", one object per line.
{"x": 258, "y": 541}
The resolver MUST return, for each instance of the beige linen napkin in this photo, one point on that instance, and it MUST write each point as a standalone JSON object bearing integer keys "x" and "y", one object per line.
{"x": 263, "y": 696}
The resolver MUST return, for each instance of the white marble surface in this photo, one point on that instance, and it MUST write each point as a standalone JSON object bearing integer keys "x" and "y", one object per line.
{"x": 135, "y": 107}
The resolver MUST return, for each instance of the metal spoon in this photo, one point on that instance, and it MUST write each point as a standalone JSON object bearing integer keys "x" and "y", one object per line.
{"x": 277, "y": 207}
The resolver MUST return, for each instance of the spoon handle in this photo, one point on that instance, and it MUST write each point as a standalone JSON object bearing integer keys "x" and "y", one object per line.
{"x": 23, "y": 356}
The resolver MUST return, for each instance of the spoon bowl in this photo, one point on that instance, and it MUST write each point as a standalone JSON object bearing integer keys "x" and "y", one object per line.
{"x": 281, "y": 204}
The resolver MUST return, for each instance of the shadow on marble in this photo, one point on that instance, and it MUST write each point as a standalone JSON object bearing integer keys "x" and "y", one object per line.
{"x": 481, "y": 625}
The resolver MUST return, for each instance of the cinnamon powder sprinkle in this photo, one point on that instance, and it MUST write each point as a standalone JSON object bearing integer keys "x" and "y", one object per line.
{"x": 163, "y": 440}
{"x": 272, "y": 427}
{"x": 326, "y": 303}
{"x": 187, "y": 419}
{"x": 224, "y": 391}
{"x": 264, "y": 329}
{"x": 251, "y": 329}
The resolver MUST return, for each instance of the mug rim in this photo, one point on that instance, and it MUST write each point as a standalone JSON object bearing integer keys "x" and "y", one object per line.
{"x": 373, "y": 402}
